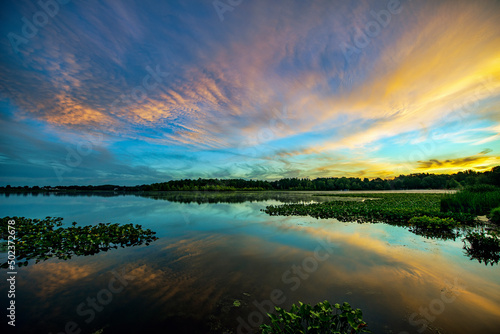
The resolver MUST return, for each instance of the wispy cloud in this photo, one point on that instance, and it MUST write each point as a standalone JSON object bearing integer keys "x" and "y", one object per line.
{"x": 433, "y": 62}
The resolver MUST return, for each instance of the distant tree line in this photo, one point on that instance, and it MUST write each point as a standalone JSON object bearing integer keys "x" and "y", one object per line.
{"x": 402, "y": 182}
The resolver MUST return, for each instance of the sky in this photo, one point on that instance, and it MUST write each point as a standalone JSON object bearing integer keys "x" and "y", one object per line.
{"x": 135, "y": 92}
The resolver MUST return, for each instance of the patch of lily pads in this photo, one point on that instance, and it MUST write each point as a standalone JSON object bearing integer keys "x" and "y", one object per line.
{"x": 42, "y": 239}
{"x": 421, "y": 213}
{"x": 394, "y": 209}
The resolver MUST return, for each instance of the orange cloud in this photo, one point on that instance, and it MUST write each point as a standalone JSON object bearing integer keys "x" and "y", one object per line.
{"x": 57, "y": 275}
{"x": 73, "y": 113}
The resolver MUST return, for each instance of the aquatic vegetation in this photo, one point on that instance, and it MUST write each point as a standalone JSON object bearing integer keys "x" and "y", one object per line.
{"x": 320, "y": 318}
{"x": 395, "y": 209}
{"x": 483, "y": 247}
{"x": 477, "y": 200}
{"x": 436, "y": 223}
{"x": 45, "y": 238}
{"x": 495, "y": 216}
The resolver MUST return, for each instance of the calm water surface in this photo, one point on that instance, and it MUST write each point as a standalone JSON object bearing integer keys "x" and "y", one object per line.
{"x": 216, "y": 249}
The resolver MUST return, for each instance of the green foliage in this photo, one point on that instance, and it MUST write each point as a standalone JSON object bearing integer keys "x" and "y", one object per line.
{"x": 412, "y": 181}
{"x": 434, "y": 223}
{"x": 395, "y": 209}
{"x": 481, "y": 188}
{"x": 482, "y": 247}
{"x": 44, "y": 239}
{"x": 322, "y": 318}
{"x": 495, "y": 216}
{"x": 479, "y": 200}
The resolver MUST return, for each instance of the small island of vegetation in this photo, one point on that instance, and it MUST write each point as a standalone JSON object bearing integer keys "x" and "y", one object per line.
{"x": 42, "y": 239}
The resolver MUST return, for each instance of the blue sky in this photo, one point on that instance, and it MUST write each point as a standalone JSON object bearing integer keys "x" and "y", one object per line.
{"x": 132, "y": 92}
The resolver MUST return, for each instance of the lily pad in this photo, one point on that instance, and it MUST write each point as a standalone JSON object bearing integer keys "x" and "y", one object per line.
{"x": 43, "y": 239}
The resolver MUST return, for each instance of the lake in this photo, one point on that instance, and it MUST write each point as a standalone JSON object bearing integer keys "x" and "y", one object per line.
{"x": 215, "y": 249}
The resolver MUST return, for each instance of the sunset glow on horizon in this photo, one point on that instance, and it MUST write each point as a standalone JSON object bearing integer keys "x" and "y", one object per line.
{"x": 136, "y": 92}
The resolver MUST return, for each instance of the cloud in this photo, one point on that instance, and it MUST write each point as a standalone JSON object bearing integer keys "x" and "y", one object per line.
{"x": 425, "y": 74}
{"x": 92, "y": 69}
{"x": 479, "y": 161}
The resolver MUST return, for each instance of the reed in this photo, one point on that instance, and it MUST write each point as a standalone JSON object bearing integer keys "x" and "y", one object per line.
{"x": 479, "y": 200}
